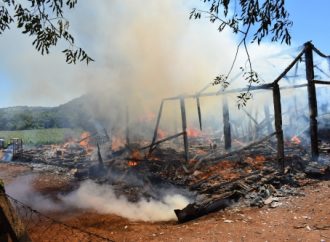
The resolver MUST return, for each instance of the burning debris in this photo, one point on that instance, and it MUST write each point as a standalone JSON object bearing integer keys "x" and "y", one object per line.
{"x": 247, "y": 162}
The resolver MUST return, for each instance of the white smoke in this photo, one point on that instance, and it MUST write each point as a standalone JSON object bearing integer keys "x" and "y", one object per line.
{"x": 23, "y": 190}
{"x": 99, "y": 198}
{"x": 102, "y": 199}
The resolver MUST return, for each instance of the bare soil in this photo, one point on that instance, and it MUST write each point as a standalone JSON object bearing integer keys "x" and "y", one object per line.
{"x": 298, "y": 218}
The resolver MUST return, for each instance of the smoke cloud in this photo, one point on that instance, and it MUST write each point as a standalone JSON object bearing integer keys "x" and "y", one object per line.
{"x": 22, "y": 189}
{"x": 99, "y": 198}
{"x": 103, "y": 199}
{"x": 144, "y": 51}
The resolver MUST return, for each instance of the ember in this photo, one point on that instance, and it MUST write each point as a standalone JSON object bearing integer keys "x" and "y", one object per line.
{"x": 191, "y": 132}
{"x": 84, "y": 139}
{"x": 132, "y": 163}
{"x": 295, "y": 140}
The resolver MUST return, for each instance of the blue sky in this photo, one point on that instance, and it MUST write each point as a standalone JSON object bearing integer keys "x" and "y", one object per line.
{"x": 26, "y": 78}
{"x": 310, "y": 22}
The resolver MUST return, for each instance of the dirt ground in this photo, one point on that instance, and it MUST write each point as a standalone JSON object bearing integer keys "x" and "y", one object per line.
{"x": 298, "y": 218}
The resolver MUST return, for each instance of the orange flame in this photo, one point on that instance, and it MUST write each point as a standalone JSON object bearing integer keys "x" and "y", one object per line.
{"x": 84, "y": 137}
{"x": 295, "y": 140}
{"x": 136, "y": 155}
{"x": 132, "y": 163}
{"x": 191, "y": 132}
{"x": 161, "y": 134}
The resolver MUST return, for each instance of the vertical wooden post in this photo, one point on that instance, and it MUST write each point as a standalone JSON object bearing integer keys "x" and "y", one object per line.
{"x": 267, "y": 119}
{"x": 127, "y": 126}
{"x": 11, "y": 226}
{"x": 311, "y": 99}
{"x": 199, "y": 113}
{"x": 184, "y": 128}
{"x": 278, "y": 124}
{"x": 157, "y": 126}
{"x": 226, "y": 123}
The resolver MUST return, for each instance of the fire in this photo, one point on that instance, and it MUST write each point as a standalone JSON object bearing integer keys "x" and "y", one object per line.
{"x": 295, "y": 140}
{"x": 135, "y": 155}
{"x": 132, "y": 163}
{"x": 161, "y": 134}
{"x": 191, "y": 132}
{"x": 84, "y": 139}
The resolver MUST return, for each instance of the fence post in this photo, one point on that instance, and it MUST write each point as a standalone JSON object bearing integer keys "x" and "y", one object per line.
{"x": 278, "y": 124}
{"x": 311, "y": 99}
{"x": 11, "y": 226}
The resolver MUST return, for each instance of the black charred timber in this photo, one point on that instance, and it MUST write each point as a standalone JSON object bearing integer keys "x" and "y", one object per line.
{"x": 199, "y": 113}
{"x": 311, "y": 99}
{"x": 101, "y": 164}
{"x": 267, "y": 119}
{"x": 156, "y": 128}
{"x": 184, "y": 127}
{"x": 152, "y": 146}
{"x": 226, "y": 124}
{"x": 278, "y": 125}
{"x": 193, "y": 210}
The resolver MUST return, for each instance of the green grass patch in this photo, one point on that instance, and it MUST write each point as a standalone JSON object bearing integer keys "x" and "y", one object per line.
{"x": 42, "y": 136}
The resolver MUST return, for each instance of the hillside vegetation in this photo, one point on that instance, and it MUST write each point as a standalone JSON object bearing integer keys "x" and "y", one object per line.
{"x": 74, "y": 114}
{"x": 42, "y": 136}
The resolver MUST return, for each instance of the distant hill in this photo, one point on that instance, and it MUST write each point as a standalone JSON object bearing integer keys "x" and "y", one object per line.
{"x": 73, "y": 114}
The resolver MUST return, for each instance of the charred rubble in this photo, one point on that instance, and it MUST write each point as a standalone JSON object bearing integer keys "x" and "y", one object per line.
{"x": 215, "y": 172}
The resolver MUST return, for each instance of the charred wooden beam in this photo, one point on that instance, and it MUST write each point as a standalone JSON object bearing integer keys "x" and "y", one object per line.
{"x": 184, "y": 128}
{"x": 99, "y": 156}
{"x": 151, "y": 146}
{"x": 311, "y": 99}
{"x": 319, "y": 52}
{"x": 278, "y": 124}
{"x": 193, "y": 211}
{"x": 226, "y": 123}
{"x": 218, "y": 93}
{"x": 156, "y": 128}
{"x": 289, "y": 67}
{"x": 321, "y": 82}
{"x": 267, "y": 86}
{"x": 199, "y": 113}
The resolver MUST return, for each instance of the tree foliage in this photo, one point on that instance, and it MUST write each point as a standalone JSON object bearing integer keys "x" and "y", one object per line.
{"x": 43, "y": 20}
{"x": 253, "y": 20}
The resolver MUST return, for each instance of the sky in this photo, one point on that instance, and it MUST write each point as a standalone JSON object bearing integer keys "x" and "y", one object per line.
{"x": 145, "y": 49}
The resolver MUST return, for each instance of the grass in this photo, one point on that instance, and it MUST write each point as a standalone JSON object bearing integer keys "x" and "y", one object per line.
{"x": 42, "y": 136}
